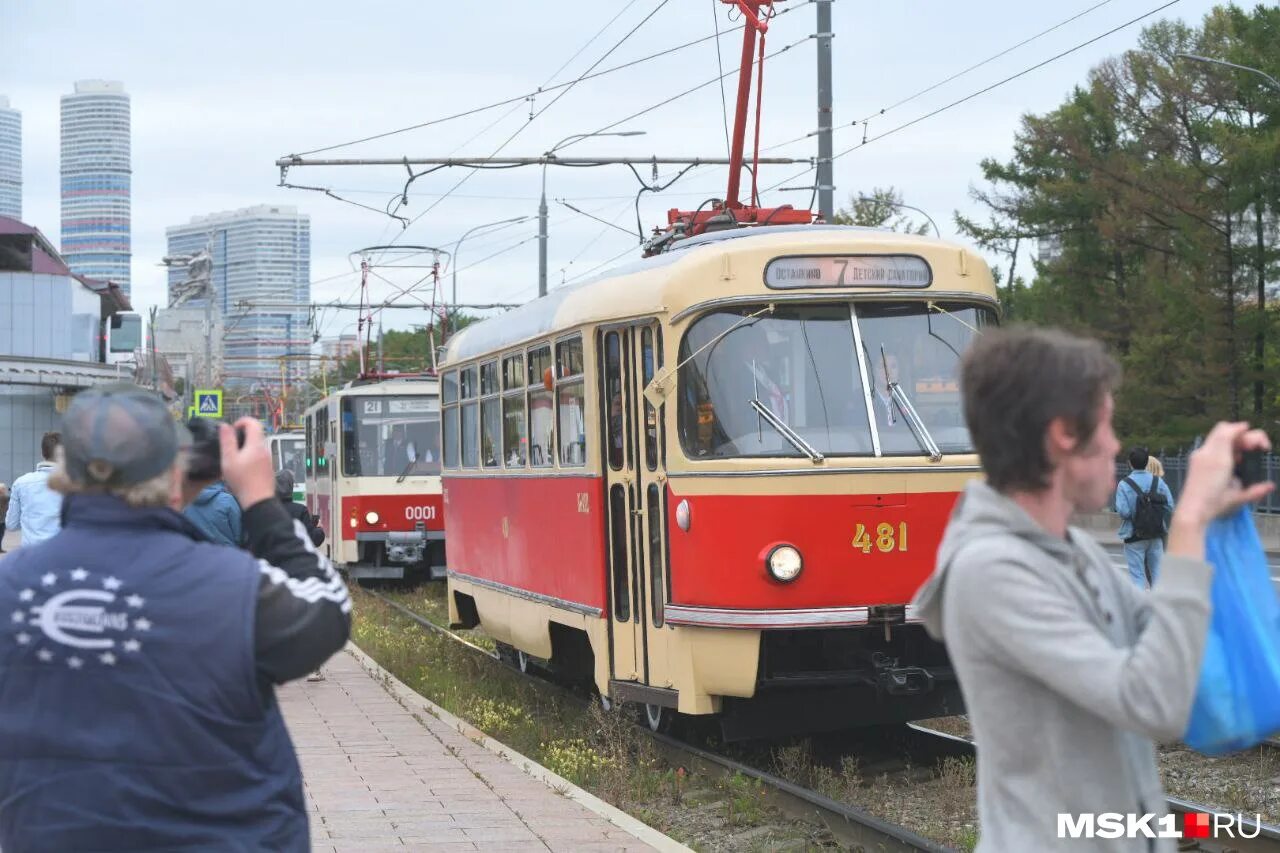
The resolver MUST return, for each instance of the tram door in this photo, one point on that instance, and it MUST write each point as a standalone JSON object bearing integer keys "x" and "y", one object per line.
{"x": 629, "y": 356}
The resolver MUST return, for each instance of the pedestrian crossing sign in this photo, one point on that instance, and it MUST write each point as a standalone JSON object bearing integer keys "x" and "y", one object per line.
{"x": 208, "y": 403}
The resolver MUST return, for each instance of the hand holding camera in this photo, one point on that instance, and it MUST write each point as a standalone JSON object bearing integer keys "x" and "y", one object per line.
{"x": 237, "y": 455}
{"x": 1224, "y": 474}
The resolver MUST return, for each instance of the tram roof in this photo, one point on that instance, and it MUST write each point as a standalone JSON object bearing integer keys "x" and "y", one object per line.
{"x": 662, "y": 284}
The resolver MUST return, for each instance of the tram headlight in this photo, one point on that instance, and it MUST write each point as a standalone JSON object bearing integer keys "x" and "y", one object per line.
{"x": 371, "y": 517}
{"x": 784, "y": 563}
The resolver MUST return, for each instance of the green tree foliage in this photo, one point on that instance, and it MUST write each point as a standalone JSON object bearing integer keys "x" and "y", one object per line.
{"x": 881, "y": 208}
{"x": 1159, "y": 178}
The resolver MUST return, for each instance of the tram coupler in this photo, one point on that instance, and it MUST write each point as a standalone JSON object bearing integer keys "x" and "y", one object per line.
{"x": 406, "y": 547}
{"x": 895, "y": 680}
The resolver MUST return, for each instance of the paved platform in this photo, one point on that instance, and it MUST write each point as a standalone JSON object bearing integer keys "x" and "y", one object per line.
{"x": 379, "y": 777}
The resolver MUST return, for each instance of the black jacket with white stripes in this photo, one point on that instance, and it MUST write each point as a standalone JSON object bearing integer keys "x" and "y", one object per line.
{"x": 303, "y": 611}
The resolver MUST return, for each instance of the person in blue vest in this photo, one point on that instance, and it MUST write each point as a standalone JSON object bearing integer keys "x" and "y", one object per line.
{"x": 137, "y": 668}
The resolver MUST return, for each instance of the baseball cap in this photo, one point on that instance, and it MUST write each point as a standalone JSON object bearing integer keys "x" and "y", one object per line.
{"x": 119, "y": 435}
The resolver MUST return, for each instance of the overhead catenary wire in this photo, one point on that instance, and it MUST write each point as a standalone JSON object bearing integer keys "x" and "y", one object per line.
{"x": 724, "y": 103}
{"x": 550, "y": 77}
{"x": 981, "y": 91}
{"x": 690, "y": 91}
{"x": 945, "y": 80}
{"x": 471, "y": 172}
{"x": 525, "y": 96}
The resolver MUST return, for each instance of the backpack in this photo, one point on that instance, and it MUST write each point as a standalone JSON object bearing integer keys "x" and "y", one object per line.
{"x": 1150, "y": 512}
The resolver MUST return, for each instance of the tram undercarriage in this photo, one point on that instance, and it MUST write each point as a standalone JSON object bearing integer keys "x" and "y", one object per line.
{"x": 828, "y": 679}
{"x": 399, "y": 556}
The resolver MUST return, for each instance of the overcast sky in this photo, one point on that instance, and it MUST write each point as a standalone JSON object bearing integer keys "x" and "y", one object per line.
{"x": 220, "y": 90}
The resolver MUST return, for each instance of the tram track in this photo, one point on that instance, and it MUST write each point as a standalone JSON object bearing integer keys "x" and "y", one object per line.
{"x": 851, "y": 827}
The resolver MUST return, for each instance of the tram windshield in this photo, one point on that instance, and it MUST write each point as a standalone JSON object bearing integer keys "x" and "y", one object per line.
{"x": 800, "y": 363}
{"x": 289, "y": 451}
{"x": 388, "y": 436}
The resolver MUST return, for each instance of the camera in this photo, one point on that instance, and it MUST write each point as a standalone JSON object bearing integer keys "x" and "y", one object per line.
{"x": 1249, "y": 469}
{"x": 205, "y": 461}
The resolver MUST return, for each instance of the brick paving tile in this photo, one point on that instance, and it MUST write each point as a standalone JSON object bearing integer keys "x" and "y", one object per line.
{"x": 381, "y": 778}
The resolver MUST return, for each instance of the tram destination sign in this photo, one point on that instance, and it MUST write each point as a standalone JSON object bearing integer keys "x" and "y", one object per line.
{"x": 847, "y": 271}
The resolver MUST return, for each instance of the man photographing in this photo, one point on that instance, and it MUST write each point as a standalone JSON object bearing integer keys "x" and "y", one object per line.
{"x": 137, "y": 671}
{"x": 1069, "y": 672}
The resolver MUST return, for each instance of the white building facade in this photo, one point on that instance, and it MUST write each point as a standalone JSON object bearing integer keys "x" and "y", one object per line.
{"x": 10, "y": 160}
{"x": 261, "y": 279}
{"x": 96, "y": 181}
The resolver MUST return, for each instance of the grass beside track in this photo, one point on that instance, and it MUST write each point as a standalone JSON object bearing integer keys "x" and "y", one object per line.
{"x": 597, "y": 750}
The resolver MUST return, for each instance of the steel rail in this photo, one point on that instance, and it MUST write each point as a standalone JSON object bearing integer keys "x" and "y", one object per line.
{"x": 1267, "y": 836}
{"x": 851, "y": 826}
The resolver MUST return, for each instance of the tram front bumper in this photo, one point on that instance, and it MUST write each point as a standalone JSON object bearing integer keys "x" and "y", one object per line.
{"x": 386, "y": 554}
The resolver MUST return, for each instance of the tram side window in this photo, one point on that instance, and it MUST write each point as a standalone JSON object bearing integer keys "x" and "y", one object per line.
{"x": 490, "y": 416}
{"x": 449, "y": 415}
{"x": 613, "y": 393}
{"x": 648, "y": 357}
{"x": 469, "y": 418}
{"x": 570, "y": 403}
{"x": 514, "y": 439}
{"x": 541, "y": 414}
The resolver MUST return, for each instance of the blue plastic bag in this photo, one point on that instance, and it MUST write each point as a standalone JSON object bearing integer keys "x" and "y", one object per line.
{"x": 1237, "y": 701}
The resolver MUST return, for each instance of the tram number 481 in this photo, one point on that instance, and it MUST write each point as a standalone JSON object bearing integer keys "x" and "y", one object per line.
{"x": 885, "y": 538}
{"x": 420, "y": 513}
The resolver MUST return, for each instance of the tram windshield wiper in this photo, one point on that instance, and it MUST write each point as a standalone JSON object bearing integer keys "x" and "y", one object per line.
{"x": 768, "y": 416}
{"x": 914, "y": 421}
{"x": 413, "y": 457}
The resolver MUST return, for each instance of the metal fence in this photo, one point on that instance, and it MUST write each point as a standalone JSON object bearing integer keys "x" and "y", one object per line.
{"x": 1175, "y": 474}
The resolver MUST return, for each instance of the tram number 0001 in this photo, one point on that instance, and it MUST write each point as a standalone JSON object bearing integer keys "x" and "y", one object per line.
{"x": 885, "y": 538}
{"x": 420, "y": 513}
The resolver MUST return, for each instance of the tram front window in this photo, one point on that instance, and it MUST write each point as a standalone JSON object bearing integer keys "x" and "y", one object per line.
{"x": 390, "y": 436}
{"x": 290, "y": 453}
{"x": 799, "y": 363}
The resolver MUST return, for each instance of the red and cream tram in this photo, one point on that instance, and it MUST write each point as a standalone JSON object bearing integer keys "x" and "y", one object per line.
{"x": 712, "y": 480}
{"x": 373, "y": 477}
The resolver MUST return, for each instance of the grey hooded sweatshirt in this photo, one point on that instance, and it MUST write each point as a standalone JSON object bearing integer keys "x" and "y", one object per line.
{"x": 1068, "y": 671}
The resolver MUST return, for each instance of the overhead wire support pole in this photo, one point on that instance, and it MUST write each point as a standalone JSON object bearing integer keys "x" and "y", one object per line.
{"x": 826, "y": 171}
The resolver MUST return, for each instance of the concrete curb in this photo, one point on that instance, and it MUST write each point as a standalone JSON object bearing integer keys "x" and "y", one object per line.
{"x": 408, "y": 697}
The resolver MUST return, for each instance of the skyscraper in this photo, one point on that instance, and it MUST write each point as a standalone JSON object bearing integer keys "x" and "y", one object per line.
{"x": 260, "y": 255}
{"x": 96, "y": 180}
{"x": 10, "y": 160}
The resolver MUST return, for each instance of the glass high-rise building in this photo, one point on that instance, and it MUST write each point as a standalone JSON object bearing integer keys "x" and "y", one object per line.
{"x": 10, "y": 160}
{"x": 262, "y": 256}
{"x": 96, "y": 178}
